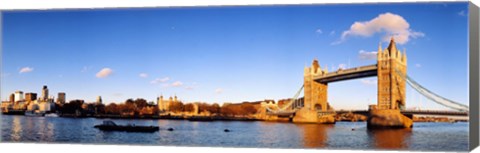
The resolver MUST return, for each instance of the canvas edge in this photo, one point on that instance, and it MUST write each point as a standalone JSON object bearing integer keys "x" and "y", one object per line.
{"x": 474, "y": 75}
{"x": 1, "y": 66}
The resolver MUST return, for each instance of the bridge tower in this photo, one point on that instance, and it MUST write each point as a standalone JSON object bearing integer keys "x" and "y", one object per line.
{"x": 315, "y": 93}
{"x": 391, "y": 71}
{"x": 391, "y": 83}
{"x": 315, "y": 98}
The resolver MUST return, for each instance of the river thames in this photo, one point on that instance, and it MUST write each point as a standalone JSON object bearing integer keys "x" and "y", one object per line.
{"x": 342, "y": 135}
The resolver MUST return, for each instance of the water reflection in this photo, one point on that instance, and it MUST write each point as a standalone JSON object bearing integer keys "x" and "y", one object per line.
{"x": 342, "y": 135}
{"x": 16, "y": 129}
{"x": 390, "y": 138}
{"x": 314, "y": 135}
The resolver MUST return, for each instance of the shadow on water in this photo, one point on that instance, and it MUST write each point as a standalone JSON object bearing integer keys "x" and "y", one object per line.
{"x": 390, "y": 138}
{"x": 315, "y": 135}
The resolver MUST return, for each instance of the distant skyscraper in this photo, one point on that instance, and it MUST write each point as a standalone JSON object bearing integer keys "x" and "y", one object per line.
{"x": 99, "y": 100}
{"x": 44, "y": 93}
{"x": 61, "y": 98}
{"x": 12, "y": 98}
{"x": 29, "y": 97}
{"x": 19, "y": 96}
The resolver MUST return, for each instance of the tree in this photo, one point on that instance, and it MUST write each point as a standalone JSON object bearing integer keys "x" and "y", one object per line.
{"x": 214, "y": 109}
{"x": 248, "y": 109}
{"x": 130, "y": 101}
{"x": 72, "y": 106}
{"x": 100, "y": 109}
{"x": 189, "y": 107}
{"x": 112, "y": 108}
{"x": 176, "y": 107}
{"x": 126, "y": 108}
{"x": 227, "y": 110}
{"x": 140, "y": 103}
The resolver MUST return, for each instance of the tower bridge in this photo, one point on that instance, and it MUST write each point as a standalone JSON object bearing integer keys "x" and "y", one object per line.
{"x": 391, "y": 73}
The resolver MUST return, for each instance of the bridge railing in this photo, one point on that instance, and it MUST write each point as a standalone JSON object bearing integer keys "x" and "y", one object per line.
{"x": 325, "y": 113}
{"x": 351, "y": 70}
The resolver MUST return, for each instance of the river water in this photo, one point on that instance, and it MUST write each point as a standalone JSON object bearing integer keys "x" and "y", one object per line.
{"x": 423, "y": 136}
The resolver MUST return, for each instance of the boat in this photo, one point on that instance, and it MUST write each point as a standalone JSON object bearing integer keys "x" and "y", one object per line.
{"x": 51, "y": 115}
{"x": 34, "y": 114}
{"x": 111, "y": 126}
{"x": 200, "y": 118}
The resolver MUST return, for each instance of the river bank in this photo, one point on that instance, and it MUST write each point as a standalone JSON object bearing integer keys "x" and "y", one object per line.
{"x": 345, "y": 117}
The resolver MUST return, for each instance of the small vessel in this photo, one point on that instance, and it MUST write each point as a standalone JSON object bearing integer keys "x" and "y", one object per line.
{"x": 111, "y": 126}
{"x": 200, "y": 118}
{"x": 51, "y": 115}
{"x": 34, "y": 114}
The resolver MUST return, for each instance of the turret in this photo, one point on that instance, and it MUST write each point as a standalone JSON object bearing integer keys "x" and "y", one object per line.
{"x": 315, "y": 65}
{"x": 379, "y": 52}
{"x": 392, "y": 47}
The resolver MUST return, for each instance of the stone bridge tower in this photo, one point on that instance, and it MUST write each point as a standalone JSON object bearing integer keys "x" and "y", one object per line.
{"x": 392, "y": 68}
{"x": 315, "y": 93}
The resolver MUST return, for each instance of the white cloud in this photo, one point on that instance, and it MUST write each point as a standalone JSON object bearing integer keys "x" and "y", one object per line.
{"x": 218, "y": 90}
{"x": 368, "y": 82}
{"x": 191, "y": 86}
{"x": 143, "y": 75}
{"x": 366, "y": 55}
{"x": 26, "y": 70}
{"x": 418, "y": 65}
{"x": 319, "y": 31}
{"x": 462, "y": 13}
{"x": 165, "y": 85}
{"x": 177, "y": 84}
{"x": 160, "y": 80}
{"x": 388, "y": 24}
{"x": 105, "y": 72}
{"x": 332, "y": 33}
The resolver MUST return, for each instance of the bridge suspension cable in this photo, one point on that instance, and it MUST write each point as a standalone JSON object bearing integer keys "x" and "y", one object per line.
{"x": 292, "y": 103}
{"x": 432, "y": 96}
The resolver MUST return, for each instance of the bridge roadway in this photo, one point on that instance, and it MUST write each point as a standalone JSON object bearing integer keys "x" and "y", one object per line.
{"x": 412, "y": 112}
{"x": 365, "y": 112}
{"x": 347, "y": 74}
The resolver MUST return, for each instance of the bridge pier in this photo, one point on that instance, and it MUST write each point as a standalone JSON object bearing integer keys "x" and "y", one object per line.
{"x": 387, "y": 118}
{"x": 306, "y": 115}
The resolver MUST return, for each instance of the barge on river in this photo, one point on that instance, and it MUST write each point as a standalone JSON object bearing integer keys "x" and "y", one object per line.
{"x": 111, "y": 126}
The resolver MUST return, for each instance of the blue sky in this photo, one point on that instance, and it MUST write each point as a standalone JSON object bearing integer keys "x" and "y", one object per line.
{"x": 230, "y": 54}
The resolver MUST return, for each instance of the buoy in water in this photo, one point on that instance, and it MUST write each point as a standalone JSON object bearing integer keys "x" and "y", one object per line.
{"x": 226, "y": 130}
{"x": 170, "y": 129}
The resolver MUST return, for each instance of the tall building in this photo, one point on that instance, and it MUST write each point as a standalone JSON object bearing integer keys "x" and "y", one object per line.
{"x": 160, "y": 103}
{"x": 12, "y": 98}
{"x": 99, "y": 100}
{"x": 19, "y": 96}
{"x": 164, "y": 105}
{"x": 392, "y": 68}
{"x": 44, "y": 93}
{"x": 61, "y": 98}
{"x": 30, "y": 97}
{"x": 315, "y": 92}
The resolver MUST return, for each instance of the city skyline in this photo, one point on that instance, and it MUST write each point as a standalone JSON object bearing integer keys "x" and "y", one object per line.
{"x": 229, "y": 54}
